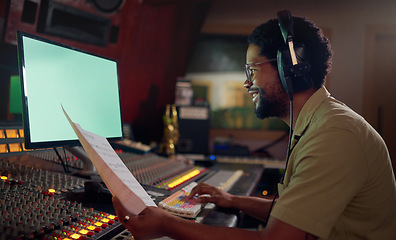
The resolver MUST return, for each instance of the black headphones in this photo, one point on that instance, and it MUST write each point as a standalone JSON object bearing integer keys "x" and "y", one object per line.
{"x": 293, "y": 65}
{"x": 294, "y": 72}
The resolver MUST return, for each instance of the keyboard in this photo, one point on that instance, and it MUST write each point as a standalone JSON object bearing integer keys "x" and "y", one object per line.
{"x": 179, "y": 204}
{"x": 267, "y": 162}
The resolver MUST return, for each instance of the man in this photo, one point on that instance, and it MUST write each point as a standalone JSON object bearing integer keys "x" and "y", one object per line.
{"x": 338, "y": 183}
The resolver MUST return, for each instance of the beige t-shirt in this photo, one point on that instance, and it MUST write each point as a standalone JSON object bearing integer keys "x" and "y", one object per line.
{"x": 339, "y": 182}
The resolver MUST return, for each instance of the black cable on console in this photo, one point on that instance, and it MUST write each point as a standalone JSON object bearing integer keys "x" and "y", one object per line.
{"x": 61, "y": 160}
{"x": 64, "y": 153}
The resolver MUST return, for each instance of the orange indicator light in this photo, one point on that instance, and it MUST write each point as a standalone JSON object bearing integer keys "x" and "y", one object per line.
{"x": 3, "y": 148}
{"x": 184, "y": 178}
{"x": 14, "y": 147}
{"x": 12, "y": 133}
{"x": 75, "y": 236}
{"x": 92, "y": 228}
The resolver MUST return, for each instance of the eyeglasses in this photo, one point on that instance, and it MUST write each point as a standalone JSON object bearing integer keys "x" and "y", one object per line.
{"x": 250, "y": 71}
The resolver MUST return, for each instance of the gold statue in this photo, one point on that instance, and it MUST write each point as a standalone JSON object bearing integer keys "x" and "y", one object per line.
{"x": 171, "y": 131}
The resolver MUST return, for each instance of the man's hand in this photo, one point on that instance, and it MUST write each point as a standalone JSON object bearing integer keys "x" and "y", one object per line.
{"x": 150, "y": 223}
{"x": 208, "y": 193}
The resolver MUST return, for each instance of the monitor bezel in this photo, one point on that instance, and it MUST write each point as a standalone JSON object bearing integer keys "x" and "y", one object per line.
{"x": 25, "y": 108}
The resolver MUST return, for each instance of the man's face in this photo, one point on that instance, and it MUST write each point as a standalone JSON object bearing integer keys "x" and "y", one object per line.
{"x": 270, "y": 98}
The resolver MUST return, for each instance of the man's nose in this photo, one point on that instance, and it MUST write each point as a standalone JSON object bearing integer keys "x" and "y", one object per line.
{"x": 247, "y": 83}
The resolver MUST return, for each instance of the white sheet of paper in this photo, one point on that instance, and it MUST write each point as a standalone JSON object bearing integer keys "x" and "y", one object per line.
{"x": 117, "y": 177}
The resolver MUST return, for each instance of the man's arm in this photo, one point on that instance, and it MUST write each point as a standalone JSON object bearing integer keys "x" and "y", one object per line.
{"x": 154, "y": 222}
{"x": 275, "y": 230}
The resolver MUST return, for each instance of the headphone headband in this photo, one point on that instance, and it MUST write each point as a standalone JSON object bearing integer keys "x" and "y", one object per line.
{"x": 293, "y": 66}
{"x": 285, "y": 22}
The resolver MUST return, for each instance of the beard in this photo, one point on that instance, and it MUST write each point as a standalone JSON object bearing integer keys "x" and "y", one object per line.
{"x": 272, "y": 105}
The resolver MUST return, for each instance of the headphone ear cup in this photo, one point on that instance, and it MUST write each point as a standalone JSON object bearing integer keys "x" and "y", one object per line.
{"x": 294, "y": 78}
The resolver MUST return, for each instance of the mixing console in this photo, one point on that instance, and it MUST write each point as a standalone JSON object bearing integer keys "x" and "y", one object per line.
{"x": 149, "y": 169}
{"x": 31, "y": 207}
{"x": 160, "y": 172}
{"x": 33, "y": 202}
{"x": 40, "y": 198}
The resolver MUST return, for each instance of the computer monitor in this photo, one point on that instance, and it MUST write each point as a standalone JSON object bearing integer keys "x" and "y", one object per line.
{"x": 55, "y": 75}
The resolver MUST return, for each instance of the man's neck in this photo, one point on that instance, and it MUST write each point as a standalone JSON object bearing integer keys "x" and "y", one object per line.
{"x": 299, "y": 99}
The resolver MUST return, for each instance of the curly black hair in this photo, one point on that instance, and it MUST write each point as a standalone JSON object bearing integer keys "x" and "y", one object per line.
{"x": 269, "y": 38}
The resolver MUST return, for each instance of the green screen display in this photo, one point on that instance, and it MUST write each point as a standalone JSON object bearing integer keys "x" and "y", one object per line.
{"x": 84, "y": 84}
{"x": 15, "y": 95}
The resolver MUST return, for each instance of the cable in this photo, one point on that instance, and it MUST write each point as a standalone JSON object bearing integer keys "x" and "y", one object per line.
{"x": 290, "y": 139}
{"x": 61, "y": 160}
{"x": 287, "y": 159}
{"x": 64, "y": 153}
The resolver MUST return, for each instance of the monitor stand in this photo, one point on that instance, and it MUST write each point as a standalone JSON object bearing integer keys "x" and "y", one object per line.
{"x": 88, "y": 167}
